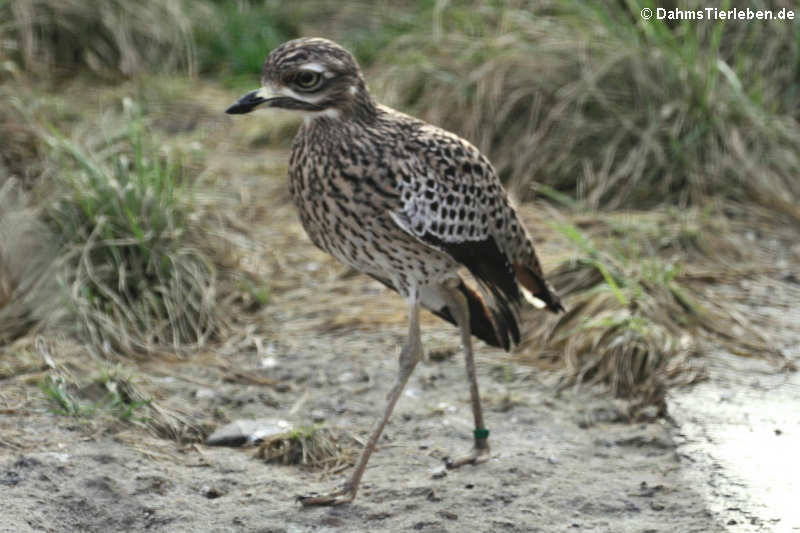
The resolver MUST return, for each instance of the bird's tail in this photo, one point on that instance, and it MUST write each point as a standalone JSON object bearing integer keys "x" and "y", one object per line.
{"x": 535, "y": 289}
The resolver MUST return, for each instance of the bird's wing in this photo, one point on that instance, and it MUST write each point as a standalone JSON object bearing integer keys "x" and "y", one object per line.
{"x": 450, "y": 199}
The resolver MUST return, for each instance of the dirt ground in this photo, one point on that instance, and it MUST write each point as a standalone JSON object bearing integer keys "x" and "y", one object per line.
{"x": 324, "y": 350}
{"x": 553, "y": 468}
{"x": 560, "y": 462}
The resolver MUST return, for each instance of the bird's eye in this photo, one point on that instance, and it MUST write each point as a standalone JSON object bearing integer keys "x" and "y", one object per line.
{"x": 308, "y": 80}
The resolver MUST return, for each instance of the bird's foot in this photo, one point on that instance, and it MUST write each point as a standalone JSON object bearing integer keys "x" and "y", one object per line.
{"x": 477, "y": 456}
{"x": 340, "y": 496}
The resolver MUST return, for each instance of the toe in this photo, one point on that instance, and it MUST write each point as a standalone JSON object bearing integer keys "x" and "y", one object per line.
{"x": 477, "y": 456}
{"x": 333, "y": 498}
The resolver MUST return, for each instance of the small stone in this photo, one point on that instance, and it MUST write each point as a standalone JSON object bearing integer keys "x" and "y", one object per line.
{"x": 448, "y": 515}
{"x": 204, "y": 394}
{"x": 346, "y": 377}
{"x": 243, "y": 432}
{"x": 439, "y": 472}
{"x": 210, "y": 492}
{"x": 269, "y": 362}
{"x": 649, "y": 412}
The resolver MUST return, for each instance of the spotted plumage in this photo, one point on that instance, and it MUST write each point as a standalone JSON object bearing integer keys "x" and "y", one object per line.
{"x": 402, "y": 201}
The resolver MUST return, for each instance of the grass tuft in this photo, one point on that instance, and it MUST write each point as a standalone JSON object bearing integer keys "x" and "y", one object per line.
{"x": 635, "y": 316}
{"x": 54, "y": 39}
{"x": 106, "y": 394}
{"x": 312, "y": 447}
{"x": 626, "y": 321}
{"x": 65, "y": 402}
{"x": 113, "y": 394}
{"x": 132, "y": 277}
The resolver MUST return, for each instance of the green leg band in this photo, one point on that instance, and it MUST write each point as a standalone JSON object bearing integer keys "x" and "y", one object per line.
{"x": 481, "y": 433}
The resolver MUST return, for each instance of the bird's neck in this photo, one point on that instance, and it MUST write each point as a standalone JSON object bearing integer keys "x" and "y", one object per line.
{"x": 360, "y": 106}
{"x": 354, "y": 113}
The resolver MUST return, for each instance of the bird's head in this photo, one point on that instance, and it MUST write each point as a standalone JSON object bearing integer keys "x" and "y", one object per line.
{"x": 312, "y": 75}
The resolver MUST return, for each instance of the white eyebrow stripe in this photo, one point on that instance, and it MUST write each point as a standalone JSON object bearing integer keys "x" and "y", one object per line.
{"x": 314, "y": 67}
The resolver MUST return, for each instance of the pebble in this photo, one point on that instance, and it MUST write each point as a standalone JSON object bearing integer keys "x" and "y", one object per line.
{"x": 438, "y": 472}
{"x": 247, "y": 432}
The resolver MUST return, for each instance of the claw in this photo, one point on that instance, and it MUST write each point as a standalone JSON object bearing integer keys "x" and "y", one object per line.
{"x": 335, "y": 497}
{"x": 477, "y": 456}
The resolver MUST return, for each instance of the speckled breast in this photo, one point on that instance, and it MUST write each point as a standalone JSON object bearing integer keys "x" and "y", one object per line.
{"x": 344, "y": 202}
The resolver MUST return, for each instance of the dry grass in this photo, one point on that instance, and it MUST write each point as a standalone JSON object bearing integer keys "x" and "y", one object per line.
{"x": 627, "y": 322}
{"x": 114, "y": 239}
{"x": 26, "y": 257}
{"x": 99, "y": 394}
{"x": 132, "y": 277}
{"x": 315, "y": 448}
{"x": 112, "y": 38}
{"x": 587, "y": 99}
{"x": 162, "y": 421}
{"x": 21, "y": 151}
{"x": 638, "y": 313}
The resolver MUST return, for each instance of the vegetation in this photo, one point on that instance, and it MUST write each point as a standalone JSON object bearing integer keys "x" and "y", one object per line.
{"x": 103, "y": 396}
{"x": 131, "y": 276}
{"x": 53, "y": 39}
{"x": 589, "y": 99}
{"x": 233, "y": 36}
{"x": 110, "y": 229}
{"x": 633, "y": 320}
{"x": 315, "y": 448}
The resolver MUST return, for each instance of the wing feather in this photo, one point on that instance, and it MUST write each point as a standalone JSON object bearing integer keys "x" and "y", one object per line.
{"x": 453, "y": 202}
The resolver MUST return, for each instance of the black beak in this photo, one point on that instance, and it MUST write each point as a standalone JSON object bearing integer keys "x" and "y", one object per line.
{"x": 246, "y": 103}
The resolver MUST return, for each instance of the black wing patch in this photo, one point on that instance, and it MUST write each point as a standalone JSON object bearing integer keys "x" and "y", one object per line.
{"x": 494, "y": 273}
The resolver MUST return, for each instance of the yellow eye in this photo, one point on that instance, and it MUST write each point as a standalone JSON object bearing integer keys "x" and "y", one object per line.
{"x": 308, "y": 80}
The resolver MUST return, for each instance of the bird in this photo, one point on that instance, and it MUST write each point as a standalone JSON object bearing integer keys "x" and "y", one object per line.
{"x": 407, "y": 203}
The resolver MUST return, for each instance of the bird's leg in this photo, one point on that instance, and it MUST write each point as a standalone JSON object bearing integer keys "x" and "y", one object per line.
{"x": 409, "y": 357}
{"x": 480, "y": 452}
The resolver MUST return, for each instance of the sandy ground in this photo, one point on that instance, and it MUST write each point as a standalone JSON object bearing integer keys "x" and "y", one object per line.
{"x": 560, "y": 462}
{"x": 553, "y": 467}
{"x": 739, "y": 432}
